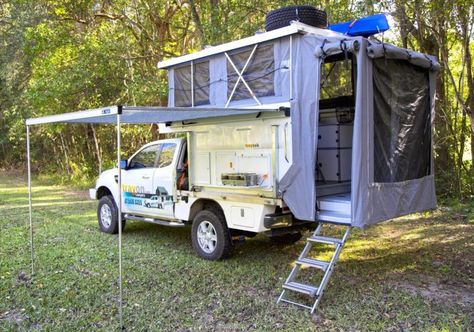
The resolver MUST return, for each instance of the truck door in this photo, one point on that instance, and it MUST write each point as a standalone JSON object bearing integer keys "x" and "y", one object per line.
{"x": 137, "y": 181}
{"x": 164, "y": 179}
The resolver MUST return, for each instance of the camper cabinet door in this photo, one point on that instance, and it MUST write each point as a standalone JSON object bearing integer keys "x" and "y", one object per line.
{"x": 164, "y": 178}
{"x": 137, "y": 180}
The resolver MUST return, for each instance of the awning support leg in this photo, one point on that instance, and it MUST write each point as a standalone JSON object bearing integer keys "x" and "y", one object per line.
{"x": 28, "y": 157}
{"x": 119, "y": 205}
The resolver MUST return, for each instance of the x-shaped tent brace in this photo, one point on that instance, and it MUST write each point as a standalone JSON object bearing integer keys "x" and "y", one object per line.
{"x": 241, "y": 78}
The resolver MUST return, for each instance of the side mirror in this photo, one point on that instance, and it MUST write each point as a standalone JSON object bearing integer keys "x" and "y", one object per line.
{"x": 124, "y": 164}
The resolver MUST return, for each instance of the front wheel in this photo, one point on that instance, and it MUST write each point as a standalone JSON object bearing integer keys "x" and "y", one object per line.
{"x": 210, "y": 235}
{"x": 107, "y": 215}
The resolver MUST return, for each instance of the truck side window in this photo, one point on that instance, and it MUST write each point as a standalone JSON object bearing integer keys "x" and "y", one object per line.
{"x": 166, "y": 154}
{"x": 145, "y": 158}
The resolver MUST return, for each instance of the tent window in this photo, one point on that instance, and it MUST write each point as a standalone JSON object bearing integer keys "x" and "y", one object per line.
{"x": 183, "y": 88}
{"x": 258, "y": 74}
{"x": 201, "y": 83}
{"x": 337, "y": 81}
{"x": 402, "y": 129}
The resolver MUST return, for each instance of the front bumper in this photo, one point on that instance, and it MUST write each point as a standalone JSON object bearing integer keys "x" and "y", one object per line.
{"x": 93, "y": 193}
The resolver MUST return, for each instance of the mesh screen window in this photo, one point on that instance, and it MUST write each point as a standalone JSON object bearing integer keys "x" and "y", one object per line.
{"x": 183, "y": 88}
{"x": 258, "y": 74}
{"x": 337, "y": 83}
{"x": 336, "y": 79}
{"x": 402, "y": 121}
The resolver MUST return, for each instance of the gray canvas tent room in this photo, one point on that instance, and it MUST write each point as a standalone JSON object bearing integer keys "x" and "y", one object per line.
{"x": 391, "y": 101}
{"x": 393, "y": 115}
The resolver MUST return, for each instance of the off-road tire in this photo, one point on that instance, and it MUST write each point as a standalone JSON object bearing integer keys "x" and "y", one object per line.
{"x": 223, "y": 247}
{"x": 113, "y": 228}
{"x": 286, "y": 239}
{"x": 282, "y": 17}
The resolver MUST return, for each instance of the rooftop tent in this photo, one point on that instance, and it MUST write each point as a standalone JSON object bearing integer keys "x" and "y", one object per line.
{"x": 254, "y": 71}
{"x": 256, "y": 74}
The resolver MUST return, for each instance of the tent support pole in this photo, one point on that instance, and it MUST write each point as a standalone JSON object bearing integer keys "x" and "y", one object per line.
{"x": 119, "y": 205}
{"x": 291, "y": 67}
{"x": 28, "y": 157}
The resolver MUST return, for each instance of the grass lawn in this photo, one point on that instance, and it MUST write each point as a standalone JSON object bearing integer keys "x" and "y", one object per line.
{"x": 414, "y": 273}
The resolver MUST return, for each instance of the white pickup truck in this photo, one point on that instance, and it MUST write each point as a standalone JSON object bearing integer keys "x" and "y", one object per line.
{"x": 225, "y": 183}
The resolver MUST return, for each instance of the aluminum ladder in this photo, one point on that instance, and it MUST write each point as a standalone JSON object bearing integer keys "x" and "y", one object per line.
{"x": 303, "y": 260}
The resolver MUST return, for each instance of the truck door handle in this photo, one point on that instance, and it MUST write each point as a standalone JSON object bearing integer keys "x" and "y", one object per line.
{"x": 145, "y": 177}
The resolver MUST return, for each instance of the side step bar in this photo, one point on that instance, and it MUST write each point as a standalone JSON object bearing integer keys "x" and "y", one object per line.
{"x": 154, "y": 221}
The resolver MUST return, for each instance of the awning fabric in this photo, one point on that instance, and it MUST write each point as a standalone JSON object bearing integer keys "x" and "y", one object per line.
{"x": 141, "y": 115}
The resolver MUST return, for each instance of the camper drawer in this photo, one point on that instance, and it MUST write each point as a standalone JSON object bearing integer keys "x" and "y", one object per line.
{"x": 335, "y": 136}
{"x": 335, "y": 164}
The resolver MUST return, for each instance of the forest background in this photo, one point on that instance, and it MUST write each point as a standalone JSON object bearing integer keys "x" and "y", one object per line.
{"x": 65, "y": 55}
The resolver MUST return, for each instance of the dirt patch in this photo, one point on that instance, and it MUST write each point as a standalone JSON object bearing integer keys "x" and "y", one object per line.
{"x": 22, "y": 278}
{"x": 77, "y": 193}
{"x": 85, "y": 272}
{"x": 13, "y": 316}
{"x": 321, "y": 322}
{"x": 13, "y": 173}
{"x": 438, "y": 292}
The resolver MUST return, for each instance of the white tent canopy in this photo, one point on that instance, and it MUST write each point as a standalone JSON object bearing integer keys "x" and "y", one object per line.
{"x": 117, "y": 115}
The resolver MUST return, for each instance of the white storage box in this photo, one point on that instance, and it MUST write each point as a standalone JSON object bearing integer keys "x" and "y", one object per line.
{"x": 335, "y": 136}
{"x": 335, "y": 164}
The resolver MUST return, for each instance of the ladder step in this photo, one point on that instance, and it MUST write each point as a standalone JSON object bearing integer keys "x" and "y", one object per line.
{"x": 334, "y": 217}
{"x": 300, "y": 288}
{"x": 324, "y": 239}
{"x": 315, "y": 291}
{"x": 313, "y": 262}
{"x": 296, "y": 303}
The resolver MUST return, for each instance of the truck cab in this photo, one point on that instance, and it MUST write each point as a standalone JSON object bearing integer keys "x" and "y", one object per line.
{"x": 148, "y": 180}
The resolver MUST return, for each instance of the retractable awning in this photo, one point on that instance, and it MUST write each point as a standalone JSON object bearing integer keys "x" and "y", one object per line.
{"x": 142, "y": 115}
{"x": 118, "y": 115}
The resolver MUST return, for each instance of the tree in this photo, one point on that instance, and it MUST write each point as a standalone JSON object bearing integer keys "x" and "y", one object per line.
{"x": 63, "y": 55}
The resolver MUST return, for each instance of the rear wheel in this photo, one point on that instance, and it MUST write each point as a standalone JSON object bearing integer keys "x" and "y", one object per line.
{"x": 107, "y": 215}
{"x": 210, "y": 235}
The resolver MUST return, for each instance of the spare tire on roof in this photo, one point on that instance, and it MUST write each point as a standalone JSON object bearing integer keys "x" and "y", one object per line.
{"x": 282, "y": 17}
